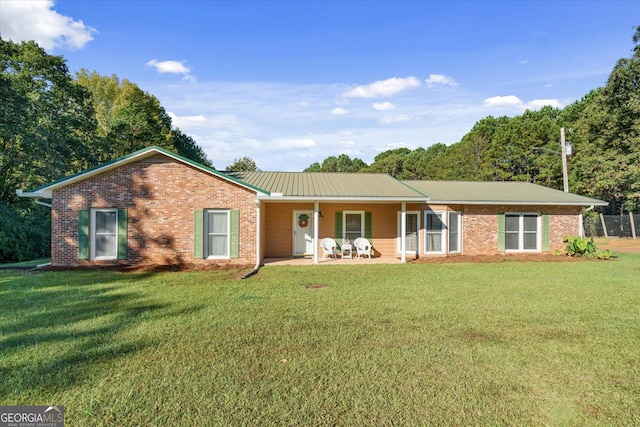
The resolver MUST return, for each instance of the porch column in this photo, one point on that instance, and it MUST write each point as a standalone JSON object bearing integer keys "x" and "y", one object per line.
{"x": 316, "y": 218}
{"x": 403, "y": 233}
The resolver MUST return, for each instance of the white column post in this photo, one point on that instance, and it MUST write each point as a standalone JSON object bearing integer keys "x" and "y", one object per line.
{"x": 316, "y": 218}
{"x": 403, "y": 233}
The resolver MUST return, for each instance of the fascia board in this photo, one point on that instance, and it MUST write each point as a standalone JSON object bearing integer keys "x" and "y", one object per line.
{"x": 273, "y": 198}
{"x": 516, "y": 203}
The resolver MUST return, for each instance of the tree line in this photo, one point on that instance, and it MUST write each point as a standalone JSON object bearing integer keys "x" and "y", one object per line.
{"x": 603, "y": 128}
{"x": 53, "y": 124}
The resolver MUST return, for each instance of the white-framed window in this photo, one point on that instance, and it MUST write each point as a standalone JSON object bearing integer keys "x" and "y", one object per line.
{"x": 434, "y": 229}
{"x": 412, "y": 232}
{"x": 454, "y": 232}
{"x": 217, "y": 227}
{"x": 353, "y": 225}
{"x": 522, "y": 232}
{"x": 104, "y": 234}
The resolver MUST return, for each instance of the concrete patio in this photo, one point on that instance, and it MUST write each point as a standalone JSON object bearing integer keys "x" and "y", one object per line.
{"x": 331, "y": 261}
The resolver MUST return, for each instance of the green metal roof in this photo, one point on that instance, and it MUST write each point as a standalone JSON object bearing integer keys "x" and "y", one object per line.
{"x": 512, "y": 193}
{"x": 330, "y": 185}
{"x": 353, "y": 186}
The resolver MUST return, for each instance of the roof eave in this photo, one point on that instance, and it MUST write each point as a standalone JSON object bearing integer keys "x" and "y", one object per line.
{"x": 520, "y": 203}
{"x": 352, "y": 199}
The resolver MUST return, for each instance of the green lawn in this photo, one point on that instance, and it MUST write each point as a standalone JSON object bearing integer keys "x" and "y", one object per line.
{"x": 512, "y": 343}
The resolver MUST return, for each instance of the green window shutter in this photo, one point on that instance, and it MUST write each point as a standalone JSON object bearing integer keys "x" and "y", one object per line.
{"x": 122, "y": 234}
{"x": 501, "y": 227}
{"x": 367, "y": 225}
{"x": 545, "y": 233}
{"x": 198, "y": 234}
{"x": 83, "y": 234}
{"x": 338, "y": 233}
{"x": 234, "y": 234}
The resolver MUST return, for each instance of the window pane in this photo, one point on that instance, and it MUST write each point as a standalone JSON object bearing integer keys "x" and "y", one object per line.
{"x": 353, "y": 226}
{"x": 434, "y": 242}
{"x": 105, "y": 222}
{"x": 511, "y": 241}
{"x": 512, "y": 223}
{"x": 434, "y": 222}
{"x": 217, "y": 222}
{"x": 217, "y": 231}
{"x": 106, "y": 245}
{"x": 454, "y": 220}
{"x": 411, "y": 239}
{"x": 217, "y": 245}
{"x": 530, "y": 241}
{"x": 530, "y": 223}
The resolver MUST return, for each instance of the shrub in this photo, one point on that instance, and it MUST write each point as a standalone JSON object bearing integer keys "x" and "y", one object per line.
{"x": 581, "y": 247}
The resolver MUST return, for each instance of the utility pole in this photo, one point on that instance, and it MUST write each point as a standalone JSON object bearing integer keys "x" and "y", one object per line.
{"x": 563, "y": 152}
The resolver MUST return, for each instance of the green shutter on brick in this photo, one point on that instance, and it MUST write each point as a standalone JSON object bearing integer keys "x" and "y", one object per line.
{"x": 338, "y": 231}
{"x": 234, "y": 234}
{"x": 122, "y": 234}
{"x": 545, "y": 233}
{"x": 501, "y": 227}
{"x": 198, "y": 234}
{"x": 83, "y": 234}
{"x": 368, "y": 225}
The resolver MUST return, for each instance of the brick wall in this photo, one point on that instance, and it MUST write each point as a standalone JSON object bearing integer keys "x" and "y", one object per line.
{"x": 160, "y": 197}
{"x": 480, "y": 226}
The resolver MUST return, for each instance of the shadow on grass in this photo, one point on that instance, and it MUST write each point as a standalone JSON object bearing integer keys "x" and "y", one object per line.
{"x": 57, "y": 328}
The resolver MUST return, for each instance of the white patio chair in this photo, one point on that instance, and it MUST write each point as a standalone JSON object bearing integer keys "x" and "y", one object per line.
{"x": 363, "y": 247}
{"x": 329, "y": 247}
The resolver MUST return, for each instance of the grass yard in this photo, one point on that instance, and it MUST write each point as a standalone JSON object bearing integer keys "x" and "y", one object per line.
{"x": 514, "y": 343}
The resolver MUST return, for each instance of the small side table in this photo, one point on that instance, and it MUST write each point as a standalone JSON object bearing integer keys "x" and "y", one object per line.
{"x": 347, "y": 251}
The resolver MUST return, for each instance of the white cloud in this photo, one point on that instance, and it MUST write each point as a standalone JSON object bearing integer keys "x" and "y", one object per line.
{"x": 502, "y": 101}
{"x": 396, "y": 145}
{"x": 295, "y": 144}
{"x": 201, "y": 122}
{"x": 514, "y": 101}
{"x": 36, "y": 20}
{"x": 387, "y": 87}
{"x": 383, "y": 106}
{"x": 171, "y": 67}
{"x": 440, "y": 80}
{"x": 339, "y": 111}
{"x": 536, "y": 104}
{"x": 386, "y": 120}
{"x": 343, "y": 144}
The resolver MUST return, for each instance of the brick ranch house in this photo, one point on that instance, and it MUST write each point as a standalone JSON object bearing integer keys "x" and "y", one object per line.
{"x": 155, "y": 207}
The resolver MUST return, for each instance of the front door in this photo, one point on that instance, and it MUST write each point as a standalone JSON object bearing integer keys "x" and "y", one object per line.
{"x": 302, "y": 233}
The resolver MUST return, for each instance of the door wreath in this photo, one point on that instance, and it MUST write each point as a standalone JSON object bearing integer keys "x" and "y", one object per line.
{"x": 303, "y": 220}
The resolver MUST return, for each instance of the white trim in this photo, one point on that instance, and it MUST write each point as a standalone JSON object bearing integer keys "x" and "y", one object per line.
{"x": 93, "y": 244}
{"x": 399, "y": 237}
{"x": 539, "y": 231}
{"x": 443, "y": 234}
{"x": 295, "y": 214}
{"x": 344, "y": 223}
{"x": 449, "y": 251}
{"x": 205, "y": 231}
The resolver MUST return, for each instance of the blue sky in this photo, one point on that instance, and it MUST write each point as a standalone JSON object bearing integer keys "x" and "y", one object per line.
{"x": 289, "y": 83}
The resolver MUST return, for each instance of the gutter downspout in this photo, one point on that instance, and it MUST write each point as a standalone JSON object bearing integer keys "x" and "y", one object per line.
{"x": 38, "y": 202}
{"x": 581, "y": 220}
{"x": 258, "y": 241}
